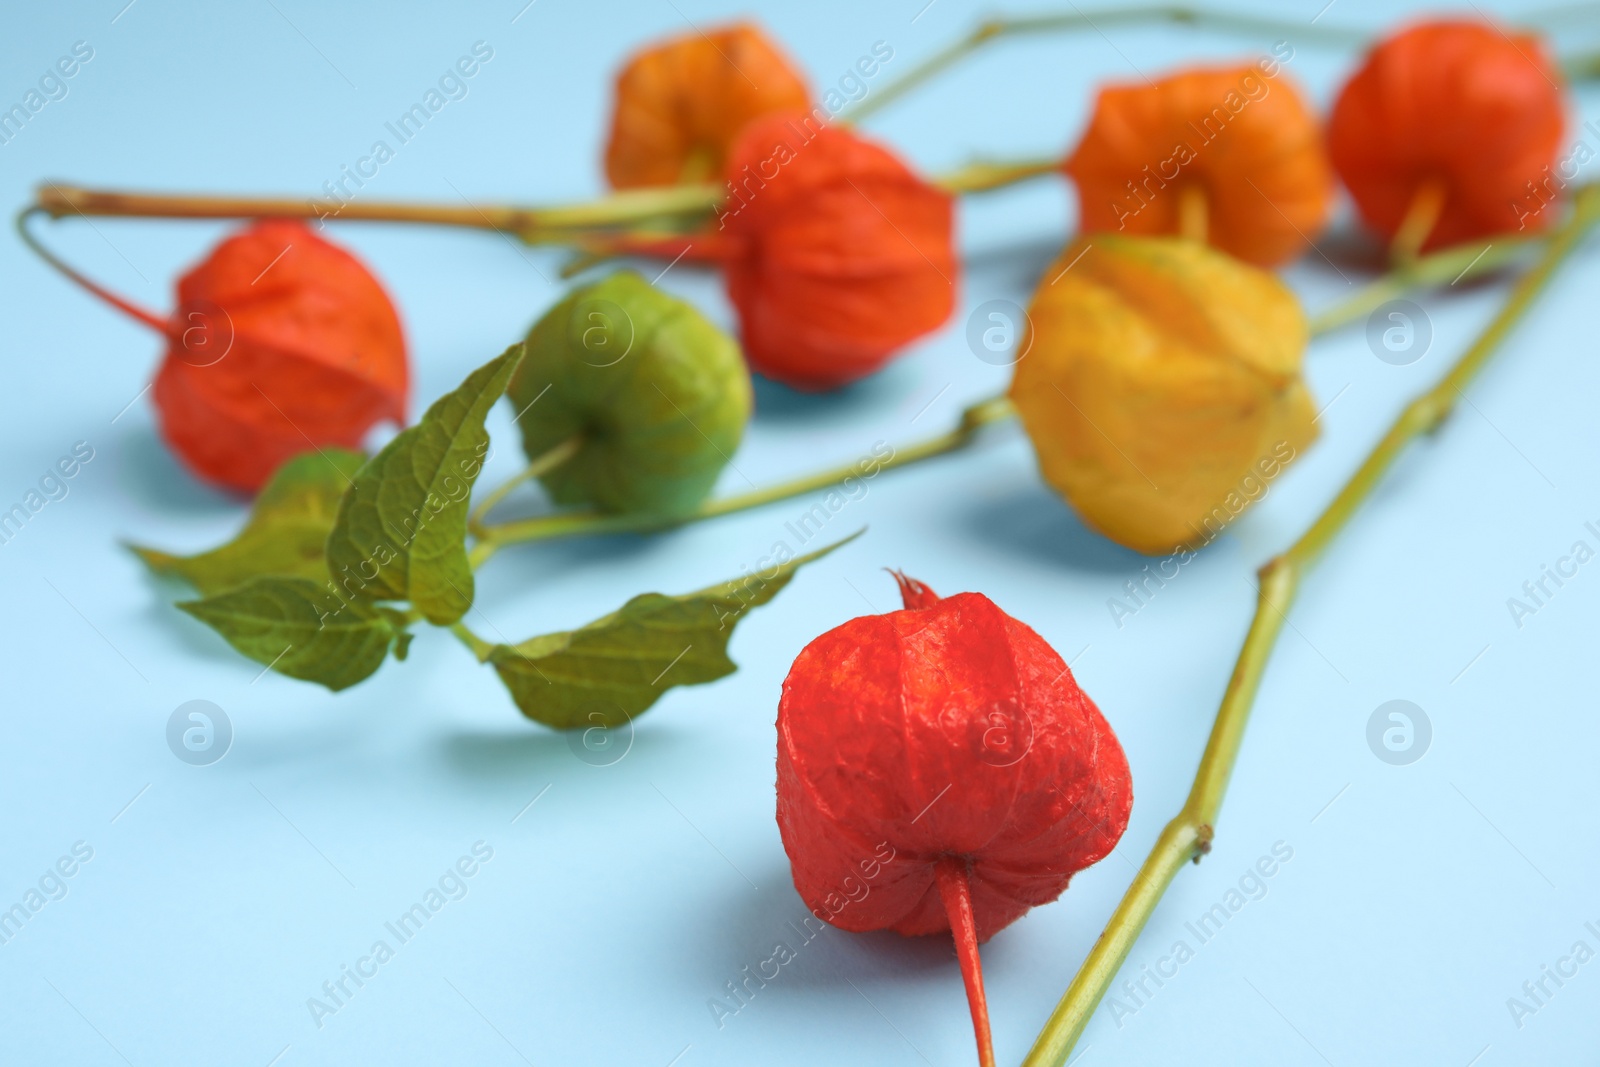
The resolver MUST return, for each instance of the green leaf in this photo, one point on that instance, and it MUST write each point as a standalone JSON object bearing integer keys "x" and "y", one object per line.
{"x": 298, "y": 628}
{"x": 402, "y": 527}
{"x": 285, "y": 534}
{"x": 618, "y": 666}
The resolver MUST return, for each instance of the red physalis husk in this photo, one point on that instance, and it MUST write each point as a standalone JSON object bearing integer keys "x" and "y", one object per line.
{"x": 281, "y": 343}
{"x": 944, "y": 758}
{"x": 836, "y": 254}
{"x": 1461, "y": 106}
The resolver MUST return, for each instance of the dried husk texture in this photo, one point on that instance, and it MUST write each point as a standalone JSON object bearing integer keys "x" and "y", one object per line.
{"x": 1162, "y": 387}
{"x": 281, "y": 343}
{"x": 945, "y": 729}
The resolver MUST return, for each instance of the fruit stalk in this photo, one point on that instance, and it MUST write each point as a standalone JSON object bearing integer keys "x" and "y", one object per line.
{"x": 1077, "y": 19}
{"x": 83, "y": 281}
{"x": 536, "y": 468}
{"x": 585, "y": 523}
{"x": 955, "y": 891}
{"x": 1443, "y": 268}
{"x": 566, "y": 224}
{"x": 1581, "y": 67}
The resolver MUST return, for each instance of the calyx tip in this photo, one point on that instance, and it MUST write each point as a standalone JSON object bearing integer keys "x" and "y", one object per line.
{"x": 913, "y": 593}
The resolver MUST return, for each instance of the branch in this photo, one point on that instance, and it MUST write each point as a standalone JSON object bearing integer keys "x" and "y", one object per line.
{"x": 531, "y": 224}
{"x": 1077, "y": 19}
{"x": 1188, "y": 836}
{"x": 584, "y": 523}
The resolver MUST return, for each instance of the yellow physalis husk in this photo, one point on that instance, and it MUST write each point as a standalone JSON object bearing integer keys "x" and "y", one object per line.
{"x": 1161, "y": 387}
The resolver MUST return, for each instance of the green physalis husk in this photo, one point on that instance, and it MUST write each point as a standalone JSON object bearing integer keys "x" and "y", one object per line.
{"x": 657, "y": 394}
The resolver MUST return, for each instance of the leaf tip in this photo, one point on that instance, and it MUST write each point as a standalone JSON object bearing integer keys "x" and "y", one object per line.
{"x": 191, "y": 607}
{"x": 157, "y": 560}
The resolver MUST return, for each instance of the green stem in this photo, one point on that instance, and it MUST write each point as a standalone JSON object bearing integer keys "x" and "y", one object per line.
{"x": 531, "y": 224}
{"x": 1576, "y": 68}
{"x": 680, "y": 208}
{"x": 1584, "y": 66}
{"x": 478, "y": 646}
{"x": 592, "y": 248}
{"x": 624, "y": 215}
{"x": 983, "y": 175}
{"x": 1188, "y": 836}
{"x": 1077, "y": 19}
{"x": 538, "y": 468}
{"x": 1445, "y": 267}
{"x": 572, "y": 524}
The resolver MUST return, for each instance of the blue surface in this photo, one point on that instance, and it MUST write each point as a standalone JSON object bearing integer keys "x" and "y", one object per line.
{"x": 218, "y": 899}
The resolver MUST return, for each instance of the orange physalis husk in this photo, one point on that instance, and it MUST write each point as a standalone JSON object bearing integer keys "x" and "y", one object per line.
{"x": 680, "y": 104}
{"x": 1456, "y": 110}
{"x": 281, "y": 343}
{"x": 837, "y": 254}
{"x": 1238, "y": 140}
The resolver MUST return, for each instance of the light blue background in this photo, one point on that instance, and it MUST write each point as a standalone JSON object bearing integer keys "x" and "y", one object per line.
{"x": 222, "y": 897}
